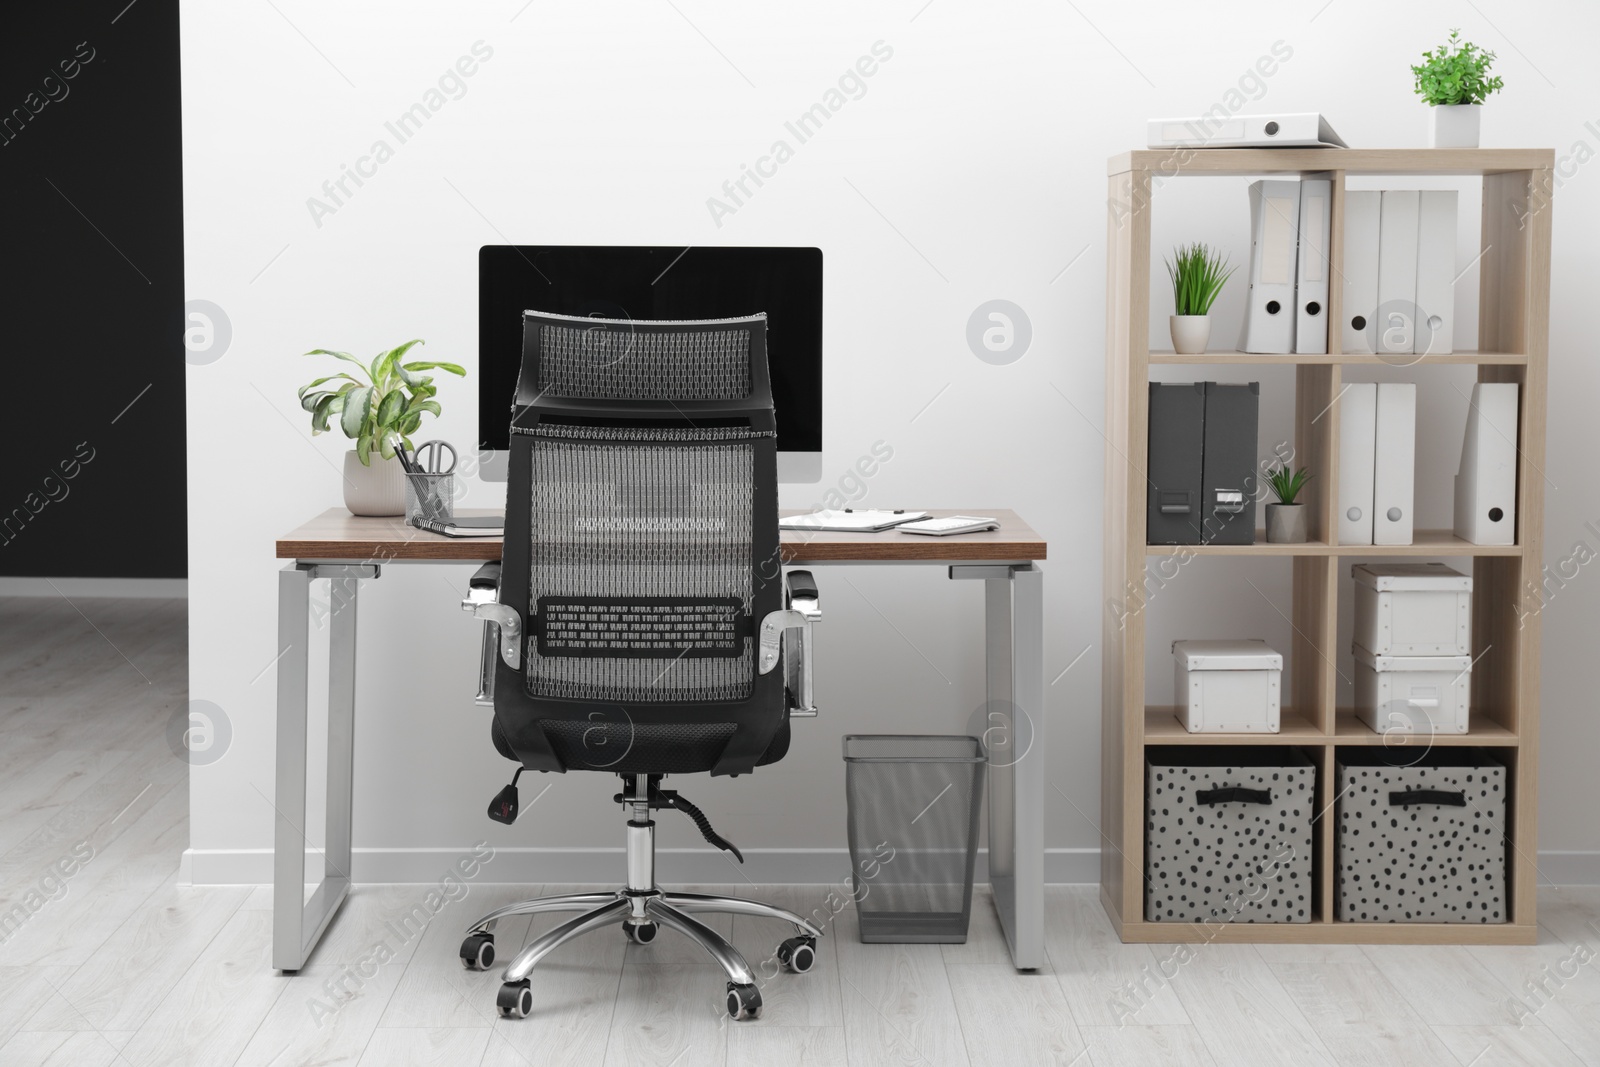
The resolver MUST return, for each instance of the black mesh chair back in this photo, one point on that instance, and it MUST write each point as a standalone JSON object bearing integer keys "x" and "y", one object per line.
{"x": 641, "y": 548}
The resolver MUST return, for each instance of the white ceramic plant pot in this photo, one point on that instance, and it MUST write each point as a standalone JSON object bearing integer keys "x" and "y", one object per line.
{"x": 1286, "y": 524}
{"x": 1454, "y": 125}
{"x": 379, "y": 489}
{"x": 1190, "y": 334}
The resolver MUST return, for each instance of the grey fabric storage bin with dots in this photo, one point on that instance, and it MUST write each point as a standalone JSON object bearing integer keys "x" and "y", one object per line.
{"x": 1421, "y": 838}
{"x": 1228, "y": 834}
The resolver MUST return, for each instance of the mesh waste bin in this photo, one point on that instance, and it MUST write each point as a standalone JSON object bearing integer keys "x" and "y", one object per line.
{"x": 912, "y": 806}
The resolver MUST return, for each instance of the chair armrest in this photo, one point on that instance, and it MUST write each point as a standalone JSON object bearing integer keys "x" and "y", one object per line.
{"x": 485, "y": 580}
{"x": 502, "y": 626}
{"x": 786, "y": 634}
{"x": 800, "y": 593}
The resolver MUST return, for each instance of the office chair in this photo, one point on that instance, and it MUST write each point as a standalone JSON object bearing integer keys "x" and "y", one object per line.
{"x": 637, "y": 620}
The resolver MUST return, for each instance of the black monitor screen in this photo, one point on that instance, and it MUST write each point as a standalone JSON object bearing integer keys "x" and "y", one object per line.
{"x": 617, "y": 282}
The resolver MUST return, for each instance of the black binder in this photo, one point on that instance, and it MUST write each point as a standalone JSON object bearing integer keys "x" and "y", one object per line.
{"x": 1177, "y": 430}
{"x": 1229, "y": 481}
{"x": 1202, "y": 463}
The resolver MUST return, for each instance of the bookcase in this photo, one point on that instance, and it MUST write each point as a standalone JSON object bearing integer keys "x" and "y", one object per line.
{"x": 1513, "y": 334}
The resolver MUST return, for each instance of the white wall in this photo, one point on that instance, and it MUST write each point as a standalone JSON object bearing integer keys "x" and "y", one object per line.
{"x": 972, "y": 168}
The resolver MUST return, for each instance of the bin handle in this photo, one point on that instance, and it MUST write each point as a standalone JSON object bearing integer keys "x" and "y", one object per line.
{"x": 1233, "y": 794}
{"x": 1428, "y": 796}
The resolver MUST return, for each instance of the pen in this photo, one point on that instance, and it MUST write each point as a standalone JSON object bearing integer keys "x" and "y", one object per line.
{"x": 405, "y": 460}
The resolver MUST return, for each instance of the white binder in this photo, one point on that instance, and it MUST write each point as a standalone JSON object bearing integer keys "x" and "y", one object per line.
{"x": 1269, "y": 308}
{"x": 1305, "y": 129}
{"x": 1394, "y": 468}
{"x": 1486, "y": 486}
{"x": 1360, "y": 327}
{"x": 1358, "y": 427}
{"x": 1436, "y": 272}
{"x": 1397, "y": 271}
{"x": 1311, "y": 274}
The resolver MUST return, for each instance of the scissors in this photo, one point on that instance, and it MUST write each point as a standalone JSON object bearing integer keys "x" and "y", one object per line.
{"x": 430, "y": 457}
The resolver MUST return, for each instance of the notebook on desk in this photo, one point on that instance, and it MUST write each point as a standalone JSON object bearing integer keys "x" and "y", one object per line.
{"x": 466, "y": 526}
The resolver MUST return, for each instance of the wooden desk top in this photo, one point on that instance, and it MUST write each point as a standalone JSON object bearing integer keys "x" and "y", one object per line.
{"x": 337, "y": 534}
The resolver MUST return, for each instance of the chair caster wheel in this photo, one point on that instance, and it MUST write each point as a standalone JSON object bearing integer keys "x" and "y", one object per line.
{"x": 744, "y": 1001}
{"x": 477, "y": 952}
{"x": 798, "y": 954}
{"x": 641, "y": 933}
{"x": 515, "y": 1000}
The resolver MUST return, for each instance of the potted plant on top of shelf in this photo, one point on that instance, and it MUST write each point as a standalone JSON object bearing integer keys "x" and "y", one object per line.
{"x": 1286, "y": 520}
{"x": 1197, "y": 279}
{"x": 379, "y": 407}
{"x": 1454, "y": 79}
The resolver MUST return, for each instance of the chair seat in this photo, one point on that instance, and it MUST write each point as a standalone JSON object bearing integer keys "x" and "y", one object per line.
{"x": 640, "y": 748}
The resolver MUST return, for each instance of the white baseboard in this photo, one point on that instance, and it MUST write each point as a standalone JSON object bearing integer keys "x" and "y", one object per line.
{"x": 163, "y": 588}
{"x": 1569, "y": 868}
{"x": 546, "y": 866}
{"x": 693, "y": 866}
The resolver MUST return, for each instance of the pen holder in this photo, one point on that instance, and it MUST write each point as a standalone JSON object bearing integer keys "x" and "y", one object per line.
{"x": 430, "y": 498}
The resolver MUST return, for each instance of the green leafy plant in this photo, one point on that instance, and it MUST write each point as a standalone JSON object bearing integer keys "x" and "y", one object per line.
{"x": 1287, "y": 485}
{"x": 1197, "y": 278}
{"x": 381, "y": 405}
{"x": 1457, "y": 72}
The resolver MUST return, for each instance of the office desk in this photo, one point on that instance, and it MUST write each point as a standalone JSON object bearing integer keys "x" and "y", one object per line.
{"x": 346, "y": 550}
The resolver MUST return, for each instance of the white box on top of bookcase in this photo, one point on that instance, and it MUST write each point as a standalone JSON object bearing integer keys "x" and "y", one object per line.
{"x": 1413, "y": 609}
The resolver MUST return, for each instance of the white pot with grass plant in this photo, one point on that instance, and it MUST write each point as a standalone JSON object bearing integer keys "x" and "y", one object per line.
{"x": 379, "y": 407}
{"x": 1286, "y": 520}
{"x": 1454, "y": 79}
{"x": 1197, "y": 278}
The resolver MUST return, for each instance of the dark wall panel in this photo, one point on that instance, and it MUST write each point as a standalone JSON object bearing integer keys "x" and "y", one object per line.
{"x": 92, "y": 478}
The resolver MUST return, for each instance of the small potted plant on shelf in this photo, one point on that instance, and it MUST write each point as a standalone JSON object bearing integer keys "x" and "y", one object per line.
{"x": 1286, "y": 520}
{"x": 378, "y": 407}
{"x": 1197, "y": 279}
{"x": 1454, "y": 79}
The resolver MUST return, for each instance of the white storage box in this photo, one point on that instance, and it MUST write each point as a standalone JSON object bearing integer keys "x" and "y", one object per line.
{"x": 1413, "y": 609}
{"x": 1413, "y": 694}
{"x": 1227, "y": 686}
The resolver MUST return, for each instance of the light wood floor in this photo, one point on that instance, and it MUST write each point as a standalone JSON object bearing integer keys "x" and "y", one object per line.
{"x": 118, "y": 966}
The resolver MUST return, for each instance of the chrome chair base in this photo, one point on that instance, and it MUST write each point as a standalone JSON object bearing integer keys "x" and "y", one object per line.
{"x": 640, "y": 908}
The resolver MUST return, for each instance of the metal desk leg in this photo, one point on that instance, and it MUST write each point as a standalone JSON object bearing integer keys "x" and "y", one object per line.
{"x": 1014, "y": 737}
{"x": 1014, "y": 621}
{"x": 297, "y": 926}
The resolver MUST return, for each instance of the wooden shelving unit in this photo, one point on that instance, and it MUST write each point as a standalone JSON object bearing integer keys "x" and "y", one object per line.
{"x": 1281, "y": 359}
{"x": 1431, "y": 543}
{"x": 1513, "y": 331}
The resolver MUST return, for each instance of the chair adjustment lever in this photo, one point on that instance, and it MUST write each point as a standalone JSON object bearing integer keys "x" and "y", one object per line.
{"x": 503, "y": 808}
{"x": 673, "y": 800}
{"x": 669, "y": 798}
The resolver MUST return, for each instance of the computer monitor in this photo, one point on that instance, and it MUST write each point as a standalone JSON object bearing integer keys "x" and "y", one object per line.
{"x": 625, "y": 282}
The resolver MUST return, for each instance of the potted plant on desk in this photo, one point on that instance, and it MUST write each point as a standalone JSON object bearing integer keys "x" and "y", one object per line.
{"x": 379, "y": 406}
{"x": 1454, "y": 79}
{"x": 1197, "y": 279}
{"x": 1286, "y": 520}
